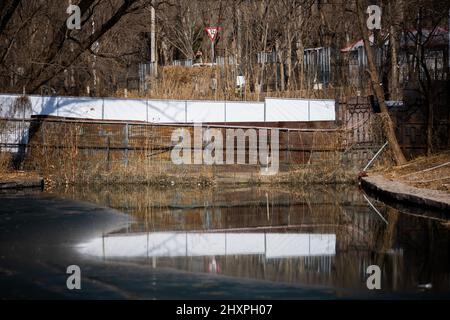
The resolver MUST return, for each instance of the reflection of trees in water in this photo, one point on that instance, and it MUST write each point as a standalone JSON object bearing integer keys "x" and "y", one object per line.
{"x": 409, "y": 250}
{"x": 224, "y": 208}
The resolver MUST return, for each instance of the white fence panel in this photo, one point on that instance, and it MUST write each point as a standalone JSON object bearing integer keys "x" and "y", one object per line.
{"x": 124, "y": 109}
{"x": 8, "y": 110}
{"x": 43, "y": 105}
{"x": 244, "y": 112}
{"x": 173, "y": 111}
{"x": 199, "y": 111}
{"x": 286, "y": 110}
{"x": 85, "y": 108}
{"x": 166, "y": 111}
{"x": 322, "y": 110}
{"x": 6, "y": 103}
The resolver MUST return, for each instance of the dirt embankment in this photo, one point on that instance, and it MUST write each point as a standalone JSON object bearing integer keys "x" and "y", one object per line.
{"x": 424, "y": 182}
{"x": 20, "y": 180}
{"x": 425, "y": 173}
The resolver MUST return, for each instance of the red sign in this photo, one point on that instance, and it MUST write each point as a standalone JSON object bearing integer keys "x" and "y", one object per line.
{"x": 212, "y": 32}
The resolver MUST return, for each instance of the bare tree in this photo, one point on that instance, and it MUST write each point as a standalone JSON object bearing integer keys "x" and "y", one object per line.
{"x": 388, "y": 124}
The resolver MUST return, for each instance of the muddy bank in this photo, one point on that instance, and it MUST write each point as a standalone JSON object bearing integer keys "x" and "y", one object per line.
{"x": 214, "y": 177}
{"x": 20, "y": 180}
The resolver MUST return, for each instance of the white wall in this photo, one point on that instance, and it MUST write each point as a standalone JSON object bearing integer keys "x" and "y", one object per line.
{"x": 166, "y": 111}
{"x": 133, "y": 110}
{"x": 173, "y": 111}
{"x": 245, "y": 112}
{"x": 286, "y": 110}
{"x": 205, "y": 111}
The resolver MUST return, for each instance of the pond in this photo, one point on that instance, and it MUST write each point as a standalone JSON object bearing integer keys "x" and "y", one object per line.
{"x": 219, "y": 243}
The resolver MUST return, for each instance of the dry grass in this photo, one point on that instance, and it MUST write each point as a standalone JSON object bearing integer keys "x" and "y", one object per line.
{"x": 412, "y": 173}
{"x": 184, "y": 83}
{"x": 89, "y": 153}
{"x": 17, "y": 175}
{"x": 316, "y": 175}
{"x": 5, "y": 163}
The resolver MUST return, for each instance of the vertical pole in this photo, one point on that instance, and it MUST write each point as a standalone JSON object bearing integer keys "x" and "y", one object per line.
{"x": 94, "y": 60}
{"x": 287, "y": 147}
{"x": 239, "y": 47}
{"x": 146, "y": 109}
{"x": 125, "y": 141}
{"x": 265, "y": 119}
{"x": 309, "y": 110}
{"x": 103, "y": 108}
{"x": 185, "y": 112}
{"x": 154, "y": 64}
{"x": 108, "y": 154}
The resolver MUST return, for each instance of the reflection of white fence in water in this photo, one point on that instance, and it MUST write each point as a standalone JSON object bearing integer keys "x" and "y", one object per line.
{"x": 178, "y": 244}
{"x": 173, "y": 111}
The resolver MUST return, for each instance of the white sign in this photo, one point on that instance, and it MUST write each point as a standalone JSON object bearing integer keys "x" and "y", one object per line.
{"x": 212, "y": 32}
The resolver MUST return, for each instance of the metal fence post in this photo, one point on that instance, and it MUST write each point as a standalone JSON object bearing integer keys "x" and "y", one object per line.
{"x": 309, "y": 110}
{"x": 146, "y": 109}
{"x": 108, "y": 153}
{"x": 265, "y": 111}
{"x": 125, "y": 141}
{"x": 287, "y": 148}
{"x": 103, "y": 108}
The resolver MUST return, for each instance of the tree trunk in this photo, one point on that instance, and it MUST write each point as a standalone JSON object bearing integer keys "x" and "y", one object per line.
{"x": 396, "y": 13}
{"x": 289, "y": 61}
{"x": 388, "y": 126}
{"x": 281, "y": 63}
{"x": 263, "y": 65}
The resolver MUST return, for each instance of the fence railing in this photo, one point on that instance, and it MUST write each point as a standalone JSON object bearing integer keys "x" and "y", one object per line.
{"x": 124, "y": 139}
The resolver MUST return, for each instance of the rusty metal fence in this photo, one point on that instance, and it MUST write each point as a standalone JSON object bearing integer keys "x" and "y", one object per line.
{"x": 109, "y": 144}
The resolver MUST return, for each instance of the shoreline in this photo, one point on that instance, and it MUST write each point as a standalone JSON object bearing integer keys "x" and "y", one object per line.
{"x": 25, "y": 180}
{"x": 405, "y": 194}
{"x": 20, "y": 181}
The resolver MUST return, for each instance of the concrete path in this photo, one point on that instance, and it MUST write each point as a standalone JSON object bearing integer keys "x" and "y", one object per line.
{"x": 407, "y": 194}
